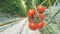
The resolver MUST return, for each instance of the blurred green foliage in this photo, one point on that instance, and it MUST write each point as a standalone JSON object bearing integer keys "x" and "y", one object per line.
{"x": 13, "y": 7}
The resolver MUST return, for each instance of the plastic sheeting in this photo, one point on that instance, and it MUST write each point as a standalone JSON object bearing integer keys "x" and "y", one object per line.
{"x": 20, "y": 28}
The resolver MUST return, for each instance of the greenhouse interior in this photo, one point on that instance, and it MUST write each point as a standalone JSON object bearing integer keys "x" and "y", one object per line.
{"x": 29, "y": 16}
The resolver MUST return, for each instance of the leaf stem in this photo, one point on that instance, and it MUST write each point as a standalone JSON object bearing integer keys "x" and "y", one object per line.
{"x": 55, "y": 2}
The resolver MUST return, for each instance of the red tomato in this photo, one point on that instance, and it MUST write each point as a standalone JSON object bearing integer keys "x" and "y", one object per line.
{"x": 30, "y": 20}
{"x": 41, "y": 16}
{"x": 32, "y": 26}
{"x": 30, "y": 13}
{"x": 40, "y": 24}
{"x": 40, "y": 9}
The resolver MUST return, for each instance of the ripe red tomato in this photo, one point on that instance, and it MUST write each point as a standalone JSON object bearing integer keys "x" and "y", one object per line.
{"x": 30, "y": 20}
{"x": 30, "y": 13}
{"x": 40, "y": 9}
{"x": 32, "y": 26}
{"x": 40, "y": 24}
{"x": 41, "y": 16}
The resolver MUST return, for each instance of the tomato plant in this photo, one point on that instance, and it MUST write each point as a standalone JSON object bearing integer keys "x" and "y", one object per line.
{"x": 40, "y": 9}
{"x": 30, "y": 13}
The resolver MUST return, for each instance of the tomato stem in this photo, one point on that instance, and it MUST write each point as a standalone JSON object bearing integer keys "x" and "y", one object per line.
{"x": 36, "y": 18}
{"x": 43, "y": 2}
{"x": 55, "y": 2}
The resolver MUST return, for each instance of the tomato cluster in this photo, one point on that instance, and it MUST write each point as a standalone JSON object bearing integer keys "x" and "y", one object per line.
{"x": 31, "y": 13}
